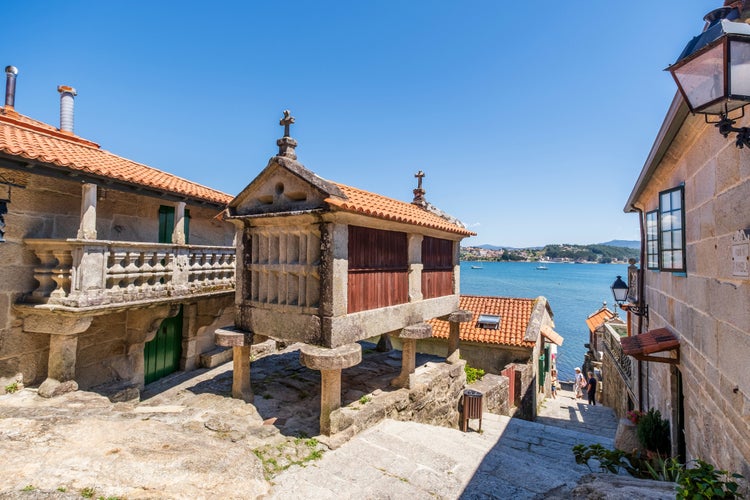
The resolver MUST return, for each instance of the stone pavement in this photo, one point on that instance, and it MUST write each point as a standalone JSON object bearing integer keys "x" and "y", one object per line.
{"x": 510, "y": 458}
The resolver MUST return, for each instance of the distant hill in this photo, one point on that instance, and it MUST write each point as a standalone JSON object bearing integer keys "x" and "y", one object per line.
{"x": 623, "y": 243}
{"x": 496, "y": 247}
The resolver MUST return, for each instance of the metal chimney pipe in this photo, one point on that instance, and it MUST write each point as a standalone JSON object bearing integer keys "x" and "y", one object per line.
{"x": 66, "y": 107}
{"x": 10, "y": 86}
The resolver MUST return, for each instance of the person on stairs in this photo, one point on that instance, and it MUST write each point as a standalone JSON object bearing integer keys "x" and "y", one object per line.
{"x": 591, "y": 388}
{"x": 579, "y": 383}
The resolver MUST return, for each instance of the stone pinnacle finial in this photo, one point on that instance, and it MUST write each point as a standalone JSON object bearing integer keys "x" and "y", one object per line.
{"x": 287, "y": 144}
{"x": 419, "y": 192}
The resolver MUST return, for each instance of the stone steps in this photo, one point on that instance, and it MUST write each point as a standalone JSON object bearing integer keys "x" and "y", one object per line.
{"x": 511, "y": 458}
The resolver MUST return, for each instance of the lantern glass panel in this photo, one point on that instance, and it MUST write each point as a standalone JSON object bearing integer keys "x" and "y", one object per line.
{"x": 739, "y": 68}
{"x": 702, "y": 78}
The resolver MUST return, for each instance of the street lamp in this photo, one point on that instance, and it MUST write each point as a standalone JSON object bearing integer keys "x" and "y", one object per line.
{"x": 620, "y": 293}
{"x": 713, "y": 72}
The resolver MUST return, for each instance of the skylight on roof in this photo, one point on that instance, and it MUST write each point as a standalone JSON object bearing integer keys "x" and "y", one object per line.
{"x": 488, "y": 321}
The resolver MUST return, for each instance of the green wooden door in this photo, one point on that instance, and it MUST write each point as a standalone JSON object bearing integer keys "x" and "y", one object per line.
{"x": 162, "y": 354}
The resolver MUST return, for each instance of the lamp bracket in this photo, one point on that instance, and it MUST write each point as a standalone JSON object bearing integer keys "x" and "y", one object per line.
{"x": 726, "y": 126}
{"x": 636, "y": 309}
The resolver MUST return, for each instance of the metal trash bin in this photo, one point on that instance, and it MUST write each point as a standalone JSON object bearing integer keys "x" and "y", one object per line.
{"x": 472, "y": 408}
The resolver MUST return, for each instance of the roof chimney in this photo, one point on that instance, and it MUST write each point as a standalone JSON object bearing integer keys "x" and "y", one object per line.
{"x": 66, "y": 107}
{"x": 10, "y": 86}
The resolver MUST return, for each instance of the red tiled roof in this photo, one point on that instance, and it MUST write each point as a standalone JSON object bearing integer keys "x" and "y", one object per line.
{"x": 375, "y": 205}
{"x": 653, "y": 341}
{"x": 597, "y": 319}
{"x": 514, "y": 313}
{"x": 24, "y": 137}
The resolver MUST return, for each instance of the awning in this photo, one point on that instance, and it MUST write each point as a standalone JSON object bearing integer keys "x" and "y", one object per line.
{"x": 651, "y": 342}
{"x": 551, "y": 335}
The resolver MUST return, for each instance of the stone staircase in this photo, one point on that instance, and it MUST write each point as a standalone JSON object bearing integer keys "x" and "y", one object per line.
{"x": 510, "y": 458}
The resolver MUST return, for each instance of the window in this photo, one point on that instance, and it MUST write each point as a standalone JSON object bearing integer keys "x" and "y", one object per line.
{"x": 652, "y": 240}
{"x": 489, "y": 321}
{"x": 671, "y": 230}
{"x": 3, "y": 211}
{"x": 166, "y": 224}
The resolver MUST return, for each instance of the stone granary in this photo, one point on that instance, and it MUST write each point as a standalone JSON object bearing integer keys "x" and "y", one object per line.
{"x": 113, "y": 272}
{"x": 329, "y": 265}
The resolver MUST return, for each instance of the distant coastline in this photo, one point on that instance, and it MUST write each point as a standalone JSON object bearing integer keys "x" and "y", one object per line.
{"x": 567, "y": 253}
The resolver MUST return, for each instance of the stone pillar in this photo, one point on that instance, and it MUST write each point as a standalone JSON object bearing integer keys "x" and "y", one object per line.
{"x": 63, "y": 349}
{"x": 409, "y": 337}
{"x": 178, "y": 233}
{"x": 415, "y": 267}
{"x": 241, "y": 343}
{"x": 454, "y": 320}
{"x": 87, "y": 226}
{"x": 330, "y": 362}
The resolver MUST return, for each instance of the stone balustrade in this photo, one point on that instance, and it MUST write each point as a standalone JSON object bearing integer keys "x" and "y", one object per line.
{"x": 85, "y": 273}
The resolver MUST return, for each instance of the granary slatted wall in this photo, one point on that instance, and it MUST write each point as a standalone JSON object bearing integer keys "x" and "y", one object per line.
{"x": 378, "y": 269}
{"x": 437, "y": 271}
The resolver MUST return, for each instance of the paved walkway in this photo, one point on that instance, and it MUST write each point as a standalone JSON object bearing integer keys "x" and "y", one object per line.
{"x": 510, "y": 458}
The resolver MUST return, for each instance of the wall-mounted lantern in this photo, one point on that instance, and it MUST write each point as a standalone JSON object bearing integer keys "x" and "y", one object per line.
{"x": 620, "y": 293}
{"x": 713, "y": 72}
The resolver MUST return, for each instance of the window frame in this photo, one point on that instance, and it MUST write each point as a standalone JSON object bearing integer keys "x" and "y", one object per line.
{"x": 652, "y": 255}
{"x": 681, "y": 266}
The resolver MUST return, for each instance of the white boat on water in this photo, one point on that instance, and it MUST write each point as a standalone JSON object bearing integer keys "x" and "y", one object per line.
{"x": 542, "y": 267}
{"x": 476, "y": 267}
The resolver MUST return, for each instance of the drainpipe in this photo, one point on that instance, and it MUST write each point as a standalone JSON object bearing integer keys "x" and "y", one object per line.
{"x": 67, "y": 95}
{"x": 641, "y": 298}
{"x": 10, "y": 86}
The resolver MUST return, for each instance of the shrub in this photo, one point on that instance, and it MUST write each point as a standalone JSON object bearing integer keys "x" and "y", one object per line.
{"x": 653, "y": 432}
{"x": 706, "y": 481}
{"x": 473, "y": 374}
{"x": 634, "y": 416}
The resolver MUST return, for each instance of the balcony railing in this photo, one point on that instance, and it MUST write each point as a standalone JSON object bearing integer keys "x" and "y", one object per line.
{"x": 85, "y": 273}
{"x": 613, "y": 348}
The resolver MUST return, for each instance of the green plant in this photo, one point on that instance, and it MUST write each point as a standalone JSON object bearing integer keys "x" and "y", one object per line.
{"x": 473, "y": 374}
{"x": 635, "y": 464}
{"x": 62, "y": 489}
{"x": 653, "y": 432}
{"x": 706, "y": 481}
{"x": 364, "y": 400}
{"x": 87, "y": 492}
{"x": 28, "y": 487}
{"x": 11, "y": 388}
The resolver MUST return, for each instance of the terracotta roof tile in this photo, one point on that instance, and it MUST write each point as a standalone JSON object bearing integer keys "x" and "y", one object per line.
{"x": 598, "y": 318}
{"x": 515, "y": 315}
{"x": 382, "y": 207}
{"x": 27, "y": 138}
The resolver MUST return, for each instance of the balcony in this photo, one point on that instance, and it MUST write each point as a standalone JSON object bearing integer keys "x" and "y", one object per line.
{"x": 93, "y": 273}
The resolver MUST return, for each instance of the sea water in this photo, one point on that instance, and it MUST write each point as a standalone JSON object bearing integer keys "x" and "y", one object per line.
{"x": 574, "y": 291}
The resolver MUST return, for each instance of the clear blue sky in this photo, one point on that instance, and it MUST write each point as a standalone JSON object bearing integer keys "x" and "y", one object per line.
{"x": 532, "y": 120}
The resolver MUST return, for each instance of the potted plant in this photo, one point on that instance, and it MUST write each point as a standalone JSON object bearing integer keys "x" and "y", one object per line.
{"x": 653, "y": 433}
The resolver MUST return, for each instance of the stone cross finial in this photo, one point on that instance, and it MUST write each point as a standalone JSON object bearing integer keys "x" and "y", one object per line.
{"x": 419, "y": 192}
{"x": 286, "y": 121}
{"x": 287, "y": 144}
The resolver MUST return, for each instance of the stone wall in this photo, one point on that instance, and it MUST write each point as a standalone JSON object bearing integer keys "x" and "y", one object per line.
{"x": 706, "y": 307}
{"x": 495, "y": 391}
{"x": 434, "y": 399}
{"x": 526, "y": 389}
{"x": 613, "y": 393}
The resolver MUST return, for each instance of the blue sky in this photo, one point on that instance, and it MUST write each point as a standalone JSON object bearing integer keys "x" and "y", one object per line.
{"x": 532, "y": 120}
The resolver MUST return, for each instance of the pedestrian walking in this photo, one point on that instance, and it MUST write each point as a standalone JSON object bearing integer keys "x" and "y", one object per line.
{"x": 579, "y": 383}
{"x": 553, "y": 383}
{"x": 592, "y": 388}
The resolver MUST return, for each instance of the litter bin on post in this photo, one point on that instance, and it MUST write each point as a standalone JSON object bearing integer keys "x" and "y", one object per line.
{"x": 472, "y": 408}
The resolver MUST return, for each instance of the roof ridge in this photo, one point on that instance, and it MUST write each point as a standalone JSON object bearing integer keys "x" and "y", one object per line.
{"x": 14, "y": 118}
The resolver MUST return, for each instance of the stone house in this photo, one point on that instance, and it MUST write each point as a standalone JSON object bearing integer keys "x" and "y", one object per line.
{"x": 329, "y": 265}
{"x": 692, "y": 343}
{"x": 113, "y": 272}
{"x": 505, "y": 336}
{"x": 618, "y": 385}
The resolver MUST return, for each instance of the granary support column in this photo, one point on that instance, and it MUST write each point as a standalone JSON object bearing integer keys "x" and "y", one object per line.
{"x": 454, "y": 320}
{"x": 330, "y": 362}
{"x": 241, "y": 343}
{"x": 409, "y": 337}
